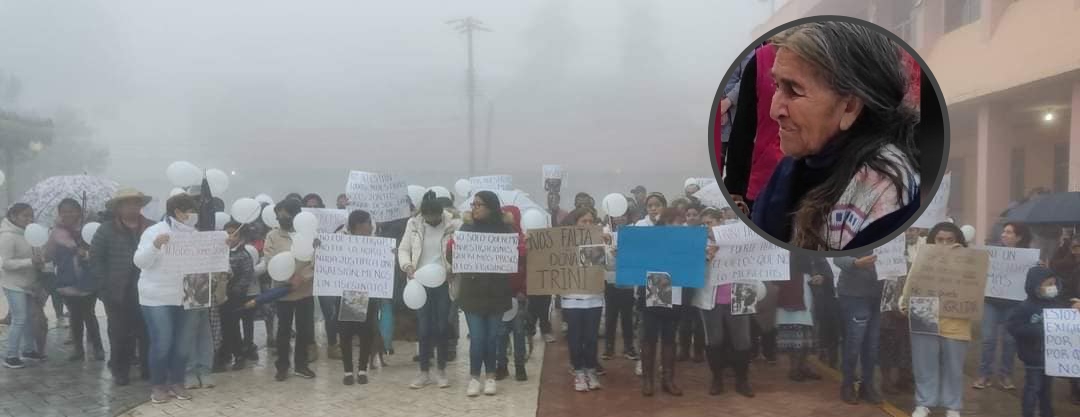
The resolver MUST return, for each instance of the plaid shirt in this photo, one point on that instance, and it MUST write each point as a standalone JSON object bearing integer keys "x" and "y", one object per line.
{"x": 243, "y": 272}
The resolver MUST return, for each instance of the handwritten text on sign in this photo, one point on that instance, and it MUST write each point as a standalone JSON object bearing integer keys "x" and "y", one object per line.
{"x": 1062, "y": 341}
{"x": 196, "y": 253}
{"x": 1008, "y": 271}
{"x": 354, "y": 263}
{"x": 485, "y": 252}
{"x": 329, "y": 219}
{"x": 955, "y": 275}
{"x": 492, "y": 183}
{"x": 745, "y": 256}
{"x": 553, "y": 264}
{"x": 382, "y": 195}
{"x": 891, "y": 262}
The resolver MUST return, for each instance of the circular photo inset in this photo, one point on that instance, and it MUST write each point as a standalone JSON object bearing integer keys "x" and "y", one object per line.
{"x": 828, "y": 134}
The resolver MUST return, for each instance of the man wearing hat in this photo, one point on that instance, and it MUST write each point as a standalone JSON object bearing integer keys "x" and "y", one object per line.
{"x": 112, "y": 263}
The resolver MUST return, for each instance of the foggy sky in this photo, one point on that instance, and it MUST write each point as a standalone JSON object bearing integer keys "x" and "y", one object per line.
{"x": 292, "y": 95}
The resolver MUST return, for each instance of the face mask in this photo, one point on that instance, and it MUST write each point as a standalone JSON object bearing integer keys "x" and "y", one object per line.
{"x": 1050, "y": 292}
{"x": 192, "y": 220}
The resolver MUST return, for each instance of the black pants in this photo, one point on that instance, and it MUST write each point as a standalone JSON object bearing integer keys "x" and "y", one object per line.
{"x": 127, "y": 332}
{"x": 303, "y": 310}
{"x": 829, "y": 326}
{"x": 619, "y": 305}
{"x": 762, "y": 342}
{"x": 235, "y": 317}
{"x": 539, "y": 312}
{"x": 659, "y": 324}
{"x": 365, "y": 332}
{"x": 83, "y": 318}
{"x": 691, "y": 331}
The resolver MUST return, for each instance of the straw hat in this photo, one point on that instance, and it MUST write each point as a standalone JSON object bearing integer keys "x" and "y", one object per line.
{"x": 124, "y": 194}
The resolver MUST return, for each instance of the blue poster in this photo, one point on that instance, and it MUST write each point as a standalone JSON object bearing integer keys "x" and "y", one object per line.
{"x": 677, "y": 250}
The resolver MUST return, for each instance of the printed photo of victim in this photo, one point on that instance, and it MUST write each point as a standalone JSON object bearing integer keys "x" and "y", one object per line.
{"x": 592, "y": 255}
{"x": 658, "y": 291}
{"x": 196, "y": 291}
{"x": 831, "y": 133}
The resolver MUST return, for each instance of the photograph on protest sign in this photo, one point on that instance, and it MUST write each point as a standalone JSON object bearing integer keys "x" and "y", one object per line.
{"x": 1008, "y": 271}
{"x": 354, "y": 306}
{"x": 485, "y": 253}
{"x": 743, "y": 299}
{"x": 658, "y": 291}
{"x": 382, "y": 195}
{"x": 1061, "y": 327}
{"x": 957, "y": 276}
{"x": 890, "y": 294}
{"x": 354, "y": 263}
{"x": 196, "y": 291}
{"x": 923, "y": 313}
{"x": 565, "y": 260}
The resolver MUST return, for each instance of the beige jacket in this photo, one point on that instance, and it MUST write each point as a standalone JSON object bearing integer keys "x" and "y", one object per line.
{"x": 16, "y": 256}
{"x": 412, "y": 243}
{"x": 278, "y": 241}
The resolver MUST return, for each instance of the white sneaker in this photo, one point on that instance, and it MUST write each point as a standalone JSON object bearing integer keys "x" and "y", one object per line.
{"x": 581, "y": 382}
{"x": 921, "y": 412}
{"x": 489, "y": 387}
{"x": 441, "y": 379}
{"x": 952, "y": 413}
{"x": 474, "y": 388}
{"x": 549, "y": 338}
{"x": 422, "y": 380}
{"x": 592, "y": 379}
{"x": 637, "y": 368}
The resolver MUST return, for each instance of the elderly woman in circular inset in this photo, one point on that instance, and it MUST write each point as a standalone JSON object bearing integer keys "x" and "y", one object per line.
{"x": 850, "y": 173}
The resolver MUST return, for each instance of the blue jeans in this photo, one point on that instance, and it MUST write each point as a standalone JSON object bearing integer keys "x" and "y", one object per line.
{"x": 862, "y": 324}
{"x": 582, "y": 332}
{"x": 196, "y": 335}
{"x": 432, "y": 327}
{"x": 19, "y": 333}
{"x": 1037, "y": 393}
{"x": 169, "y": 351}
{"x": 386, "y": 323}
{"x": 993, "y": 323}
{"x": 517, "y": 327}
{"x": 483, "y": 332}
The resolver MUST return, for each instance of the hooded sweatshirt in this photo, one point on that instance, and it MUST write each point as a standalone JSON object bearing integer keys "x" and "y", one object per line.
{"x": 517, "y": 281}
{"x": 17, "y": 259}
{"x": 1026, "y": 321}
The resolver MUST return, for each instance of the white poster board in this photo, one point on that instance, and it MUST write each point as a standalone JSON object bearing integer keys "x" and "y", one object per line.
{"x": 485, "y": 253}
{"x": 330, "y": 220}
{"x": 553, "y": 172}
{"x": 1062, "y": 342}
{"x": 196, "y": 253}
{"x": 492, "y": 183}
{"x": 383, "y": 196}
{"x": 938, "y": 209}
{"x": 891, "y": 261}
{"x": 354, "y": 263}
{"x": 743, "y": 256}
{"x": 1008, "y": 271}
{"x": 711, "y": 196}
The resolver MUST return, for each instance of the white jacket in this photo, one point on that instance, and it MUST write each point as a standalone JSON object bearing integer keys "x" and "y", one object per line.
{"x": 412, "y": 243}
{"x": 17, "y": 257}
{"x": 156, "y": 287}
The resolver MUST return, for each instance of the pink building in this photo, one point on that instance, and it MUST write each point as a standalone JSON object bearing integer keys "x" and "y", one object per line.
{"x": 1010, "y": 74}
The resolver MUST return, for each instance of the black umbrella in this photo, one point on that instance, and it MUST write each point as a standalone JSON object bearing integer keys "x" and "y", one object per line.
{"x": 1056, "y": 208}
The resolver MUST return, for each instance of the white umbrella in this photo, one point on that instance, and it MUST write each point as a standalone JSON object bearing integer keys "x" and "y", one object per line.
{"x": 91, "y": 192}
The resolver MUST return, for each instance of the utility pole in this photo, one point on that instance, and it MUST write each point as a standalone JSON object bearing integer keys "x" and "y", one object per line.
{"x": 487, "y": 140}
{"x": 467, "y": 26}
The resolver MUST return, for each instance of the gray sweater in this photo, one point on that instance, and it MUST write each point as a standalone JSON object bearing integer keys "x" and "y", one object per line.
{"x": 855, "y": 281}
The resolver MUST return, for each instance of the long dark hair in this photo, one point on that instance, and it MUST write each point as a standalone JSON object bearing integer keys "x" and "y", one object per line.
{"x": 430, "y": 205}
{"x": 1021, "y": 230}
{"x": 946, "y": 227}
{"x": 572, "y": 218}
{"x": 855, "y": 60}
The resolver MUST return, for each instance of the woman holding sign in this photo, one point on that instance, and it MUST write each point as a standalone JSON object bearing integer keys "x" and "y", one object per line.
{"x": 995, "y": 313}
{"x": 1066, "y": 262}
{"x": 938, "y": 359}
{"x": 659, "y": 322}
{"x": 582, "y": 315}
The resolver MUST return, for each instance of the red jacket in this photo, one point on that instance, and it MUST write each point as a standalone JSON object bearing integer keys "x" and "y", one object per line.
{"x": 767, "y": 151}
{"x": 517, "y": 280}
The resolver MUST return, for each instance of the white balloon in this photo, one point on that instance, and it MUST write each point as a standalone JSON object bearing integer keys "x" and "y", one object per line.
{"x": 969, "y": 233}
{"x": 282, "y": 266}
{"x": 533, "y": 219}
{"x": 512, "y": 312}
{"x": 440, "y": 191}
{"x": 761, "y": 290}
{"x": 220, "y": 219}
{"x": 264, "y": 199}
{"x": 269, "y": 216}
{"x": 431, "y": 276}
{"x": 183, "y": 173}
{"x": 2, "y": 178}
{"x": 245, "y": 210}
{"x": 306, "y": 223}
{"x": 303, "y": 247}
{"x": 416, "y": 194}
{"x": 89, "y": 230}
{"x": 254, "y": 253}
{"x": 36, "y": 235}
{"x": 415, "y": 296}
{"x": 615, "y": 204}
{"x": 218, "y": 180}
{"x": 463, "y": 187}
{"x": 175, "y": 192}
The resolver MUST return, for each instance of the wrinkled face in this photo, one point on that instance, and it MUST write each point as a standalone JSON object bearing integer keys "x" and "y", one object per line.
{"x": 69, "y": 216}
{"x": 586, "y": 220}
{"x": 1009, "y": 237}
{"x": 809, "y": 112}
{"x": 946, "y": 238}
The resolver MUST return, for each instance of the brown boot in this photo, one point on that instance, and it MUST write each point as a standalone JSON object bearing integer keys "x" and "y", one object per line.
{"x": 648, "y": 368}
{"x": 667, "y": 379}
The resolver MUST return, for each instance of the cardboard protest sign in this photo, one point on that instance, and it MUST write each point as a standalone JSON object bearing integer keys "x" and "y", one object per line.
{"x": 938, "y": 209}
{"x": 677, "y": 251}
{"x": 566, "y": 260}
{"x": 1062, "y": 342}
{"x": 710, "y": 195}
{"x": 485, "y": 253}
{"x": 354, "y": 263}
{"x": 492, "y": 183}
{"x": 1008, "y": 271}
{"x": 891, "y": 261}
{"x": 386, "y": 198}
{"x": 196, "y": 253}
{"x": 957, "y": 276}
{"x": 743, "y": 255}
{"x": 330, "y": 220}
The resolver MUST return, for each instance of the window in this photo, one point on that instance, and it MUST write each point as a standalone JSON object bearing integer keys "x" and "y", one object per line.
{"x": 1016, "y": 165}
{"x": 960, "y": 13}
{"x": 1061, "y": 167}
